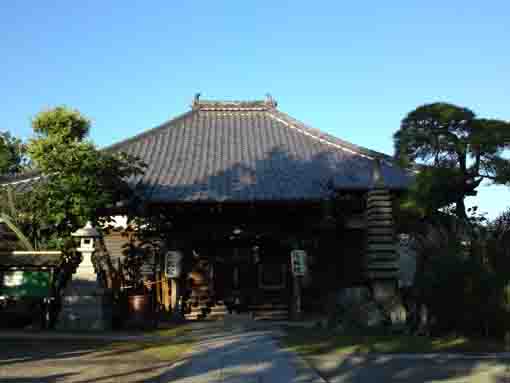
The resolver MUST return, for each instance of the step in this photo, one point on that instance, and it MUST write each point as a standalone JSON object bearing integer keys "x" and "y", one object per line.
{"x": 200, "y": 296}
{"x": 204, "y": 287}
{"x": 199, "y": 304}
{"x": 198, "y": 310}
{"x": 216, "y": 310}
{"x": 271, "y": 312}
{"x": 268, "y": 307}
{"x": 272, "y": 317}
{"x": 217, "y": 316}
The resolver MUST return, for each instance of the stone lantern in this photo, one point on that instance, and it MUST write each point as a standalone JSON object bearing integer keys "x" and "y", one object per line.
{"x": 82, "y": 301}
{"x": 87, "y": 234}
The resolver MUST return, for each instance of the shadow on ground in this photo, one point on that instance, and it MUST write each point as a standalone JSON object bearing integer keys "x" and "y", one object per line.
{"x": 342, "y": 358}
{"x": 223, "y": 353}
{"x": 388, "y": 368}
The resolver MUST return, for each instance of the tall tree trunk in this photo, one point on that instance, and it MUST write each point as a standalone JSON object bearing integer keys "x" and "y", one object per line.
{"x": 460, "y": 208}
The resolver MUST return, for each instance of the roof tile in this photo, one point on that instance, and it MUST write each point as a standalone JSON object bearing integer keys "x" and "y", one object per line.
{"x": 248, "y": 151}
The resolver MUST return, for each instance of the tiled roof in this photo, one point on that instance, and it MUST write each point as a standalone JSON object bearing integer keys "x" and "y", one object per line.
{"x": 249, "y": 151}
{"x": 22, "y": 182}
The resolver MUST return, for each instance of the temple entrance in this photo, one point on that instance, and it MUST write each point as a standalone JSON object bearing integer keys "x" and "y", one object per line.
{"x": 248, "y": 278}
{"x": 242, "y": 277}
{"x": 233, "y": 278}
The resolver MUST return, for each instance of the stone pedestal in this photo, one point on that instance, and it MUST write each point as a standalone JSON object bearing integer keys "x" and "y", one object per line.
{"x": 82, "y": 301}
{"x": 384, "y": 291}
{"x": 296, "y": 310}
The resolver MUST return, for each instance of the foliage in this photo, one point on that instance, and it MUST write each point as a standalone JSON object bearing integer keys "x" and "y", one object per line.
{"x": 78, "y": 179}
{"x": 12, "y": 154}
{"x": 154, "y": 235}
{"x": 26, "y": 211}
{"x": 64, "y": 123}
{"x": 498, "y": 242}
{"x": 501, "y": 225}
{"x": 461, "y": 276}
{"x": 17, "y": 231}
{"x": 462, "y": 295}
{"x": 458, "y": 151}
{"x": 135, "y": 255}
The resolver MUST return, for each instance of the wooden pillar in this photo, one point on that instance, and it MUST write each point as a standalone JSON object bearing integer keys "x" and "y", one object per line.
{"x": 381, "y": 256}
{"x": 296, "y": 293}
{"x": 174, "y": 294}
{"x": 165, "y": 292}
{"x": 158, "y": 288}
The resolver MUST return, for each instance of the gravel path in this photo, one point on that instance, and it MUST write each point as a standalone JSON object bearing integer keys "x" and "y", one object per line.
{"x": 240, "y": 351}
{"x": 230, "y": 351}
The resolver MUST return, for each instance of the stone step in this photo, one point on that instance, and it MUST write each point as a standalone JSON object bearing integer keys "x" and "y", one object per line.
{"x": 217, "y": 316}
{"x": 200, "y": 296}
{"x": 198, "y": 311}
{"x": 272, "y": 318}
{"x": 215, "y": 309}
{"x": 268, "y": 308}
{"x": 205, "y": 301}
{"x": 270, "y": 311}
{"x": 269, "y": 305}
{"x": 204, "y": 287}
{"x": 199, "y": 308}
{"x": 207, "y": 312}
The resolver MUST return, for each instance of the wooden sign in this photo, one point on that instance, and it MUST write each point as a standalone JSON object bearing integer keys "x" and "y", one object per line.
{"x": 173, "y": 264}
{"x": 298, "y": 262}
{"x": 23, "y": 283}
{"x": 147, "y": 267}
{"x": 13, "y": 278}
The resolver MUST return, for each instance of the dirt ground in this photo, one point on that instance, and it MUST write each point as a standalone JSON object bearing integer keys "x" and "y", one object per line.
{"x": 58, "y": 361}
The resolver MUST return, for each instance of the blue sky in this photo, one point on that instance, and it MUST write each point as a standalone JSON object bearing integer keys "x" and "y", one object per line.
{"x": 353, "y": 69}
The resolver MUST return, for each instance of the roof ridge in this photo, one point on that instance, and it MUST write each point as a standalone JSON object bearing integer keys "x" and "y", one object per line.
{"x": 213, "y": 105}
{"x": 328, "y": 138}
{"x": 26, "y": 176}
{"x": 234, "y": 105}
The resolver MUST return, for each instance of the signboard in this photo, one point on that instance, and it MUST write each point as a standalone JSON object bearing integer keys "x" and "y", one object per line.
{"x": 173, "y": 264}
{"x": 147, "y": 267}
{"x": 13, "y": 279}
{"x": 298, "y": 262}
{"x": 22, "y": 283}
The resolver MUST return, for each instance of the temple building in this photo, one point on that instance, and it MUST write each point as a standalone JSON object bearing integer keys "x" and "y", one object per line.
{"x": 269, "y": 215}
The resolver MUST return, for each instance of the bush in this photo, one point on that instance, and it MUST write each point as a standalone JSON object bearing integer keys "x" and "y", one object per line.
{"x": 465, "y": 295}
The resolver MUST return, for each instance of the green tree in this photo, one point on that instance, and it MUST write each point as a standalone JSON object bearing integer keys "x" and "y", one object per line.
{"x": 25, "y": 215}
{"x": 12, "y": 154}
{"x": 457, "y": 150}
{"x": 78, "y": 180}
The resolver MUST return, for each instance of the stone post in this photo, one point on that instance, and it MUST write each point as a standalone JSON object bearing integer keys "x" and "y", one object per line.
{"x": 298, "y": 269}
{"x": 296, "y": 293}
{"x": 82, "y": 301}
{"x": 173, "y": 271}
{"x": 381, "y": 256}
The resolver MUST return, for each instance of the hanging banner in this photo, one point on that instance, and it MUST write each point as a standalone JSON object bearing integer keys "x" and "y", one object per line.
{"x": 298, "y": 262}
{"x": 173, "y": 264}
